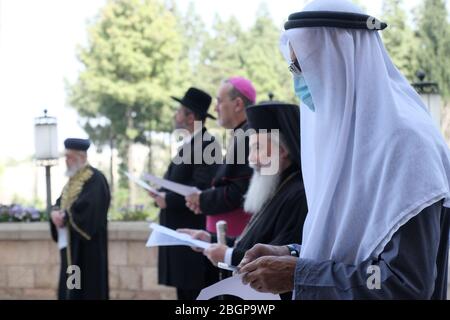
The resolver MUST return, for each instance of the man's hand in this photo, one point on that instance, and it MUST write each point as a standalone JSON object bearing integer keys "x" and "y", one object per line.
{"x": 270, "y": 274}
{"x": 216, "y": 253}
{"x": 160, "y": 200}
{"x": 197, "y": 234}
{"x": 58, "y": 218}
{"x": 193, "y": 202}
{"x": 260, "y": 250}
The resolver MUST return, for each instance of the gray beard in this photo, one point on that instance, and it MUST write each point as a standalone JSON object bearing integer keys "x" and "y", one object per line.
{"x": 261, "y": 189}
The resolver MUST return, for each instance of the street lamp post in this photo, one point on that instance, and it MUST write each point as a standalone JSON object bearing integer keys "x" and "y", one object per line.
{"x": 46, "y": 148}
{"x": 429, "y": 92}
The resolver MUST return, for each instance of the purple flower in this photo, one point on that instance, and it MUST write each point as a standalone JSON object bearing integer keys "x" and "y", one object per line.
{"x": 17, "y": 212}
{"x": 31, "y": 213}
{"x": 35, "y": 214}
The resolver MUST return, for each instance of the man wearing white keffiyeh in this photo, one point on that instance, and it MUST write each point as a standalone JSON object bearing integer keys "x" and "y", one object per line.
{"x": 376, "y": 170}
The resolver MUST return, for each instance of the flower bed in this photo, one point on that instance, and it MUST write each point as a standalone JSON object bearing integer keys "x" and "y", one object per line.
{"x": 18, "y": 213}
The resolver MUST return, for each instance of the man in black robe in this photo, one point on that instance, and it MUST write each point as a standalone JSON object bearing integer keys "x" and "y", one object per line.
{"x": 224, "y": 199}
{"x": 176, "y": 264}
{"x": 79, "y": 225}
{"x": 276, "y": 201}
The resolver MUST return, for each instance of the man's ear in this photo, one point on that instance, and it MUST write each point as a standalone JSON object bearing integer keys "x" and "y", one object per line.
{"x": 191, "y": 119}
{"x": 82, "y": 156}
{"x": 240, "y": 106}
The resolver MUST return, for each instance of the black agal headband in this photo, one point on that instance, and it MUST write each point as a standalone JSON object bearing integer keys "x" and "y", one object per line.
{"x": 336, "y": 19}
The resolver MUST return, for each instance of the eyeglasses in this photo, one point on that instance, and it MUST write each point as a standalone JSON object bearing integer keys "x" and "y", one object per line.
{"x": 294, "y": 68}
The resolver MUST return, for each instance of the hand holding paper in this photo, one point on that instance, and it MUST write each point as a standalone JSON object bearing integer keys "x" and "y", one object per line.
{"x": 270, "y": 274}
{"x": 179, "y": 188}
{"x": 160, "y": 200}
{"x": 162, "y": 236}
{"x": 233, "y": 286}
{"x": 260, "y": 250}
{"x": 142, "y": 184}
{"x": 193, "y": 203}
{"x": 197, "y": 234}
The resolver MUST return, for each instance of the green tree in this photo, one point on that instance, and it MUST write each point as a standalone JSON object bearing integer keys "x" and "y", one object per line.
{"x": 434, "y": 37}
{"x": 195, "y": 35}
{"x": 101, "y": 134}
{"x": 131, "y": 64}
{"x": 229, "y": 50}
{"x": 263, "y": 61}
{"x": 221, "y": 55}
{"x": 399, "y": 38}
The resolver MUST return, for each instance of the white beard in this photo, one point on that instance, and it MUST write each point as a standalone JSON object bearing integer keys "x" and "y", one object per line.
{"x": 261, "y": 189}
{"x": 71, "y": 171}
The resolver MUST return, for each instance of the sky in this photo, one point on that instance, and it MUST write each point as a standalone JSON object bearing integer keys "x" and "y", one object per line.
{"x": 38, "y": 41}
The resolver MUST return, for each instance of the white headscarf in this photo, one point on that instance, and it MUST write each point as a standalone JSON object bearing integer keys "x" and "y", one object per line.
{"x": 372, "y": 158}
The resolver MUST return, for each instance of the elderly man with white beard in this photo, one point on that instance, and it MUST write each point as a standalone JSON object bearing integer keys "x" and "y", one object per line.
{"x": 79, "y": 226}
{"x": 276, "y": 198}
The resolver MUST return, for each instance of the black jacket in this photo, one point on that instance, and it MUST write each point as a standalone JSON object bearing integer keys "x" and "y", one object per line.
{"x": 180, "y": 266}
{"x": 231, "y": 181}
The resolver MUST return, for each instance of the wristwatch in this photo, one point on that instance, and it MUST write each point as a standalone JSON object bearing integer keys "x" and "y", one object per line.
{"x": 293, "y": 251}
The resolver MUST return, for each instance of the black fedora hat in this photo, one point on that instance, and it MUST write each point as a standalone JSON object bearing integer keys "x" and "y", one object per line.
{"x": 198, "y": 101}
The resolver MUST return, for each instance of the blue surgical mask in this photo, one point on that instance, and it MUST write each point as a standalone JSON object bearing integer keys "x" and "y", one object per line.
{"x": 302, "y": 92}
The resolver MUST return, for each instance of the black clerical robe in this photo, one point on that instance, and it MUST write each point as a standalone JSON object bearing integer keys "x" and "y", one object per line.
{"x": 180, "y": 266}
{"x": 280, "y": 222}
{"x": 88, "y": 197}
{"x": 413, "y": 265}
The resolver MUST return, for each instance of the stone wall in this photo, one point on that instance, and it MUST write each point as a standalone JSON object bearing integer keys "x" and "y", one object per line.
{"x": 29, "y": 262}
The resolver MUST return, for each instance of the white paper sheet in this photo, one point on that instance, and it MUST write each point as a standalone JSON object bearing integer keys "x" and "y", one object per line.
{"x": 233, "y": 286}
{"x": 162, "y": 236}
{"x": 179, "y": 188}
{"x": 142, "y": 184}
{"x": 62, "y": 238}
